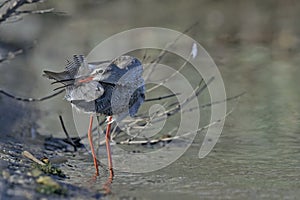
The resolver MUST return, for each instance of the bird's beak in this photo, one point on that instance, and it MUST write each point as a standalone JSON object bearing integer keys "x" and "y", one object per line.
{"x": 87, "y": 79}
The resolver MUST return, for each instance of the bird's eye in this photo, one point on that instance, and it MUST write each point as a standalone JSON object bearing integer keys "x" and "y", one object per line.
{"x": 100, "y": 71}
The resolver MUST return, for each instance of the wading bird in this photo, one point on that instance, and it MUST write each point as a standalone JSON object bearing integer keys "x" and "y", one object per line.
{"x": 112, "y": 88}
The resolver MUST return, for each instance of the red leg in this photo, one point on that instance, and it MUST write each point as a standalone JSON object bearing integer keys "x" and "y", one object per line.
{"x": 92, "y": 145}
{"x": 107, "y": 139}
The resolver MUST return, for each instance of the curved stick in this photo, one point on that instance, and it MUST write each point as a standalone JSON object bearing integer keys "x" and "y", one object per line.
{"x": 30, "y": 99}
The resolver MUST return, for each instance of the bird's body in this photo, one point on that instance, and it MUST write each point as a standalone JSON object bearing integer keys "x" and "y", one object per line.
{"x": 112, "y": 88}
{"x": 117, "y": 87}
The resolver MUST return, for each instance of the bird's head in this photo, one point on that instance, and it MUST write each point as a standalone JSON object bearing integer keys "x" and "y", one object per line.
{"x": 99, "y": 73}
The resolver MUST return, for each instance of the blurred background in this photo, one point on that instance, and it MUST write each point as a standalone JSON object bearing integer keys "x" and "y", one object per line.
{"x": 255, "y": 45}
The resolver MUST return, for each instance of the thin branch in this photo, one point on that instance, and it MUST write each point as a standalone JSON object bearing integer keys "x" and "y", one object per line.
{"x": 163, "y": 53}
{"x": 4, "y": 3}
{"x": 131, "y": 125}
{"x": 195, "y": 94}
{"x": 10, "y": 55}
{"x": 171, "y": 76}
{"x": 144, "y": 56}
{"x": 67, "y": 134}
{"x": 13, "y": 6}
{"x": 162, "y": 97}
{"x": 168, "y": 137}
{"x": 175, "y": 108}
{"x": 222, "y": 101}
{"x": 34, "y": 11}
{"x": 30, "y": 99}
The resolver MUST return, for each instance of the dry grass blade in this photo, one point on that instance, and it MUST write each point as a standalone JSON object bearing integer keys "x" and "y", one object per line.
{"x": 32, "y": 157}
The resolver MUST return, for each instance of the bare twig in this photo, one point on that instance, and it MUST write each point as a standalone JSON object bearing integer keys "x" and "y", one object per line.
{"x": 163, "y": 53}
{"x": 30, "y": 99}
{"x": 10, "y": 9}
{"x": 34, "y": 11}
{"x": 162, "y": 97}
{"x": 10, "y": 55}
{"x": 222, "y": 101}
{"x": 175, "y": 108}
{"x": 168, "y": 137}
{"x": 4, "y": 3}
{"x": 195, "y": 94}
{"x": 171, "y": 76}
{"x": 66, "y": 132}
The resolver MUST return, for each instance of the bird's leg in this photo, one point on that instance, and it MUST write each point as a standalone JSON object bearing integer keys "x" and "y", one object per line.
{"x": 92, "y": 145}
{"x": 107, "y": 139}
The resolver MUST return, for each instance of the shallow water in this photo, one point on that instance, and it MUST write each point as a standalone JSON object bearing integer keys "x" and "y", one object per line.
{"x": 257, "y": 51}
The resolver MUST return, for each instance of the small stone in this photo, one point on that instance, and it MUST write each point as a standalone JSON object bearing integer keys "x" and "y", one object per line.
{"x": 48, "y": 186}
{"x": 36, "y": 172}
{"x": 5, "y": 174}
{"x": 47, "y": 180}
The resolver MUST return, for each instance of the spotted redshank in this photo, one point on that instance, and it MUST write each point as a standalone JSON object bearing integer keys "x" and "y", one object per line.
{"x": 112, "y": 88}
